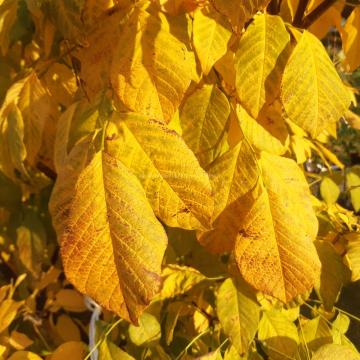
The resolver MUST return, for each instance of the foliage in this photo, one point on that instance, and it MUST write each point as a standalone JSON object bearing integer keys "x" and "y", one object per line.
{"x": 171, "y": 185}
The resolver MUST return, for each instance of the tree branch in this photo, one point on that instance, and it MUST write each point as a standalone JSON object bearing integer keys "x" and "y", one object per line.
{"x": 300, "y": 12}
{"x": 316, "y": 13}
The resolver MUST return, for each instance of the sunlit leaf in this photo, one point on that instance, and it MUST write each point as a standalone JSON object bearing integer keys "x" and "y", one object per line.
{"x": 260, "y": 60}
{"x": 203, "y": 119}
{"x": 177, "y": 187}
{"x": 274, "y": 249}
{"x": 321, "y": 98}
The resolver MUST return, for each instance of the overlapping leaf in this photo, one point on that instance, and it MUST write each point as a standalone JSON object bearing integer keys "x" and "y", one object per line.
{"x": 203, "y": 119}
{"x": 233, "y": 176}
{"x": 112, "y": 245}
{"x": 152, "y": 68}
{"x": 176, "y": 186}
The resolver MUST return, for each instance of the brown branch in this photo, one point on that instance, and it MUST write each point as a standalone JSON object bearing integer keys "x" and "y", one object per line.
{"x": 300, "y": 12}
{"x": 316, "y": 13}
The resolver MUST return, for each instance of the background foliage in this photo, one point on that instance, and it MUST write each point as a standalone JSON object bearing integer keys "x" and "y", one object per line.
{"x": 201, "y": 163}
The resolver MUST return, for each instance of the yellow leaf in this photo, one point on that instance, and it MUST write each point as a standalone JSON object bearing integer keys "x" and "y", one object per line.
{"x": 70, "y": 300}
{"x": 111, "y": 242}
{"x": 238, "y": 313}
{"x": 61, "y": 84}
{"x": 288, "y": 9}
{"x": 233, "y": 175}
{"x": 351, "y": 40}
{"x": 178, "y": 280}
{"x": 8, "y": 311}
{"x": 239, "y": 12}
{"x": 147, "y": 332}
{"x": 31, "y": 243}
{"x": 67, "y": 329}
{"x": 329, "y": 188}
{"x": 95, "y": 59}
{"x": 175, "y": 7}
{"x": 74, "y": 350}
{"x": 226, "y": 68}
{"x": 278, "y": 335}
{"x": 109, "y": 351}
{"x": 321, "y": 98}
{"x": 152, "y": 68}
{"x": 29, "y": 106}
{"x": 263, "y": 135}
{"x": 353, "y": 255}
{"x": 94, "y": 9}
{"x": 25, "y": 355}
{"x": 211, "y": 35}
{"x": 334, "y": 274}
{"x": 301, "y": 147}
{"x": 353, "y": 185}
{"x": 204, "y": 117}
{"x": 19, "y": 341}
{"x": 177, "y": 188}
{"x": 8, "y": 10}
{"x": 274, "y": 249}
{"x": 260, "y": 60}
{"x": 314, "y": 333}
{"x": 336, "y": 352}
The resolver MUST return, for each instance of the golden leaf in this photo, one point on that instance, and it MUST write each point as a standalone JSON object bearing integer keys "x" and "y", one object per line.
{"x": 211, "y": 35}
{"x": 239, "y": 12}
{"x": 177, "y": 188}
{"x": 111, "y": 242}
{"x": 274, "y": 249}
{"x": 351, "y": 39}
{"x": 152, "y": 68}
{"x": 260, "y": 60}
{"x": 320, "y": 98}
{"x": 204, "y": 117}
{"x": 233, "y": 175}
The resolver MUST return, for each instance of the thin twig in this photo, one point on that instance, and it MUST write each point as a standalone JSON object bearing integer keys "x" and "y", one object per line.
{"x": 316, "y": 13}
{"x": 300, "y": 12}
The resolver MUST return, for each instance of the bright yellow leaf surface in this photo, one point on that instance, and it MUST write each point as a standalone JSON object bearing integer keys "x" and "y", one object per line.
{"x": 264, "y": 134}
{"x": 260, "y": 60}
{"x": 353, "y": 184}
{"x": 313, "y": 94}
{"x": 211, "y": 34}
{"x": 351, "y": 39}
{"x": 177, "y": 188}
{"x": 25, "y": 355}
{"x": 203, "y": 118}
{"x": 74, "y": 350}
{"x": 274, "y": 249}
{"x": 152, "y": 68}
{"x": 111, "y": 242}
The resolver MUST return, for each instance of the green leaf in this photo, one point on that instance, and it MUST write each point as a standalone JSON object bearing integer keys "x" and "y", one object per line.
{"x": 238, "y": 313}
